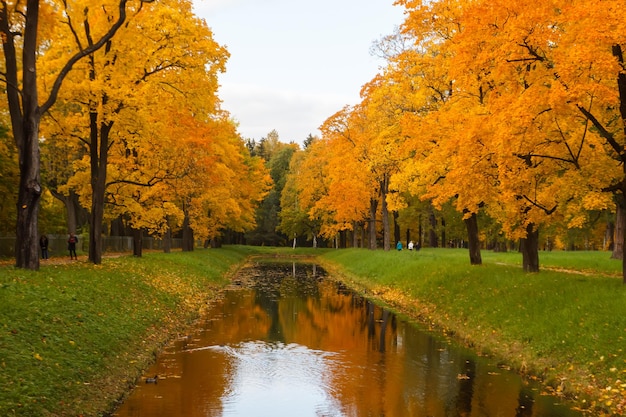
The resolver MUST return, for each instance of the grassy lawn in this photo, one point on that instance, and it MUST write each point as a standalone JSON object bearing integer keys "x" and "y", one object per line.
{"x": 565, "y": 324}
{"x": 75, "y": 337}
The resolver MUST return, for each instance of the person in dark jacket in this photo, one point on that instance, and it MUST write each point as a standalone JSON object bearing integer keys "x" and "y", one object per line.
{"x": 71, "y": 245}
{"x": 43, "y": 243}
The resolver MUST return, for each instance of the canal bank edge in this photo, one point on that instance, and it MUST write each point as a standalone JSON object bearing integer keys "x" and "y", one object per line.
{"x": 143, "y": 354}
{"x": 510, "y": 356}
{"x": 185, "y": 318}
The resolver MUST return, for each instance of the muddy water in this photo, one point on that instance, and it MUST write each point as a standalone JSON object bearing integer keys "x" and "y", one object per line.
{"x": 285, "y": 342}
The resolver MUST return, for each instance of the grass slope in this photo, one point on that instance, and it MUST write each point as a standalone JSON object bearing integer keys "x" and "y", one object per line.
{"x": 566, "y": 324}
{"x": 74, "y": 337}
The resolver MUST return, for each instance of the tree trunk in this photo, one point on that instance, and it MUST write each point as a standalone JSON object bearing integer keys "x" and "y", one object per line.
{"x": 98, "y": 153}
{"x": 138, "y": 242}
{"x": 167, "y": 241}
{"x": 25, "y": 124}
{"x": 396, "y": 227}
{"x": 623, "y": 220}
{"x": 471, "y": 223}
{"x": 432, "y": 220}
{"x": 72, "y": 208}
{"x": 530, "y": 249}
{"x": 384, "y": 212}
{"x": 444, "y": 243}
{"x": 116, "y": 227}
{"x": 373, "y": 206}
{"x": 420, "y": 232}
{"x": 618, "y": 239}
{"x": 75, "y": 213}
{"x": 620, "y": 221}
{"x": 26, "y": 244}
{"x": 362, "y": 233}
{"x": 343, "y": 239}
{"x": 188, "y": 241}
{"x": 609, "y": 236}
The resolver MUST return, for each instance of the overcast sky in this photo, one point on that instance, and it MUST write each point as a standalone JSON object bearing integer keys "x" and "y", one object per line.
{"x": 294, "y": 63}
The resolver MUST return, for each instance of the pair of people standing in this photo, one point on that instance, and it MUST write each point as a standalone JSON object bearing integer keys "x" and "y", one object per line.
{"x": 71, "y": 246}
{"x": 414, "y": 246}
{"x": 410, "y": 246}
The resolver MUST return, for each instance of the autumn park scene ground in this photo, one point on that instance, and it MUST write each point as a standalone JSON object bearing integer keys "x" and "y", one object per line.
{"x": 76, "y": 338}
{"x": 493, "y": 138}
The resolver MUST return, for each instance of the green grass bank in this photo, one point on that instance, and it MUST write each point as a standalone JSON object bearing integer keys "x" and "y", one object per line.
{"x": 75, "y": 337}
{"x": 565, "y": 325}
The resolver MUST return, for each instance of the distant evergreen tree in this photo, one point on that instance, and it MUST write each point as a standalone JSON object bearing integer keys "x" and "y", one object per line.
{"x": 277, "y": 156}
{"x": 308, "y": 141}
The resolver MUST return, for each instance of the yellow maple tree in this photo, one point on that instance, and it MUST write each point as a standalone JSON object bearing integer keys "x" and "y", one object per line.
{"x": 166, "y": 55}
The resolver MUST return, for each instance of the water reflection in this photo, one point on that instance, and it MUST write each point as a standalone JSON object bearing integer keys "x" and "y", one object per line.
{"x": 277, "y": 379}
{"x": 285, "y": 342}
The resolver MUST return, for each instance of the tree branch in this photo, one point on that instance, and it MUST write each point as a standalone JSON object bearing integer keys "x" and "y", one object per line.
{"x": 619, "y": 149}
{"x": 54, "y": 92}
{"x": 539, "y": 206}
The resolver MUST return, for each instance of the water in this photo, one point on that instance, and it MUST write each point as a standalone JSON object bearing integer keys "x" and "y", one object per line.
{"x": 285, "y": 342}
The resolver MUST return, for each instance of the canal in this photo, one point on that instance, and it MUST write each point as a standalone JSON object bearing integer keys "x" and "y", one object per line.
{"x": 285, "y": 341}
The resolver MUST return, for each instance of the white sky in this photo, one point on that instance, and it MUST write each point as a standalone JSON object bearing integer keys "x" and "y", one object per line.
{"x": 294, "y": 63}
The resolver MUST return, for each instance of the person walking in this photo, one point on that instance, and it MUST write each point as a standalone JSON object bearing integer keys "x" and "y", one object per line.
{"x": 43, "y": 243}
{"x": 71, "y": 245}
{"x": 399, "y": 245}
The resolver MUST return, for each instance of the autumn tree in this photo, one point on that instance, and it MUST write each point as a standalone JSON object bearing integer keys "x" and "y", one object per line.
{"x": 224, "y": 186}
{"x": 434, "y": 118}
{"x": 523, "y": 98}
{"x": 351, "y": 194}
{"x": 383, "y": 104}
{"x": 20, "y": 27}
{"x": 548, "y": 156}
{"x": 165, "y": 53}
{"x": 304, "y": 185}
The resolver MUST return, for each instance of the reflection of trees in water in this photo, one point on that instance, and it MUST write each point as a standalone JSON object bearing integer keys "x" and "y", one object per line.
{"x": 466, "y": 389}
{"x": 280, "y": 283}
{"x": 392, "y": 367}
{"x": 378, "y": 319}
{"x": 368, "y": 361}
{"x": 525, "y": 401}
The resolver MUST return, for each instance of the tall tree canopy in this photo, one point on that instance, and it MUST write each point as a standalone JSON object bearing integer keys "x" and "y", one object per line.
{"x": 20, "y": 24}
{"x": 508, "y": 108}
